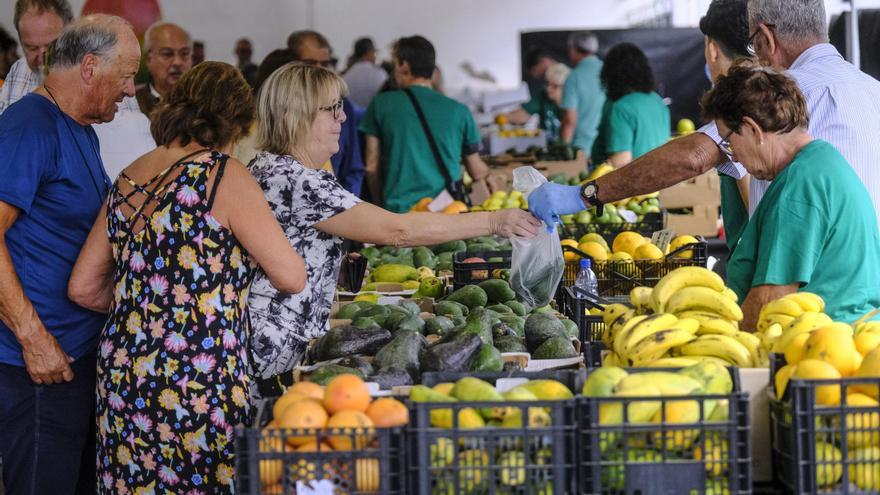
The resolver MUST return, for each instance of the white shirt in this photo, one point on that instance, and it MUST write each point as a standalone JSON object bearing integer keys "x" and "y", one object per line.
{"x": 20, "y": 81}
{"x": 125, "y": 138}
{"x": 844, "y": 109}
{"x": 364, "y": 80}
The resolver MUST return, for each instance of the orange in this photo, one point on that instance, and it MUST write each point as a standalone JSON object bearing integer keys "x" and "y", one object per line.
{"x": 358, "y": 430}
{"x": 388, "y": 413}
{"x": 346, "y": 392}
{"x": 307, "y": 389}
{"x": 303, "y": 414}
{"x": 422, "y": 205}
{"x": 456, "y": 207}
{"x": 284, "y": 402}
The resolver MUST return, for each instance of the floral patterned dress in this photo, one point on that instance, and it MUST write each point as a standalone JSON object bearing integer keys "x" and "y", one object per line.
{"x": 172, "y": 380}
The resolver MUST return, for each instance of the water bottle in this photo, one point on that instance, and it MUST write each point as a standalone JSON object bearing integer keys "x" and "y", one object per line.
{"x": 586, "y": 280}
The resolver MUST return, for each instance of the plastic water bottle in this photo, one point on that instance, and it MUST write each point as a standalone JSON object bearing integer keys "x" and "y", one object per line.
{"x": 586, "y": 280}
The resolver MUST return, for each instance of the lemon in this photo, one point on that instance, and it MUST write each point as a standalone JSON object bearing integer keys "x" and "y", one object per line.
{"x": 627, "y": 242}
{"x": 648, "y": 251}
{"x": 683, "y": 240}
{"x": 595, "y": 250}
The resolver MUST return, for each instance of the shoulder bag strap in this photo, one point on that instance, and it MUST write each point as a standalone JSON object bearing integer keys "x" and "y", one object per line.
{"x": 431, "y": 142}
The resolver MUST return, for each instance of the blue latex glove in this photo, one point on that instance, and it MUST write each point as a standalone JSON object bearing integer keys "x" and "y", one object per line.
{"x": 551, "y": 200}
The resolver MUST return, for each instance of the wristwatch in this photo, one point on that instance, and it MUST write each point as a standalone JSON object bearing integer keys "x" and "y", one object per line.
{"x": 590, "y": 196}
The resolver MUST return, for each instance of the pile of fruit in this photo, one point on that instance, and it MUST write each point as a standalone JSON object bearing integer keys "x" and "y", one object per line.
{"x": 468, "y": 331}
{"x": 627, "y": 246}
{"x": 484, "y": 457}
{"x": 437, "y": 257}
{"x": 453, "y": 208}
{"x": 502, "y": 200}
{"x": 687, "y": 433}
{"x": 309, "y": 418}
{"x": 688, "y": 317}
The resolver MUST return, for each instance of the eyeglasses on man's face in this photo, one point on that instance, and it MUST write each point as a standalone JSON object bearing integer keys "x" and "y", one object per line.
{"x": 725, "y": 147}
{"x": 750, "y": 46}
{"x": 334, "y": 109}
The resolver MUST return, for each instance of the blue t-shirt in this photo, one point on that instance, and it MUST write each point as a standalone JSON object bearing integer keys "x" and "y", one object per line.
{"x": 52, "y": 172}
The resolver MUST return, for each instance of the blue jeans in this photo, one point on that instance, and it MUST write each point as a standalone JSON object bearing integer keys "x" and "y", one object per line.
{"x": 47, "y": 432}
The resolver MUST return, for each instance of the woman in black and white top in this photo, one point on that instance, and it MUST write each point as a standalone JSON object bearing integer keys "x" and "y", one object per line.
{"x": 299, "y": 116}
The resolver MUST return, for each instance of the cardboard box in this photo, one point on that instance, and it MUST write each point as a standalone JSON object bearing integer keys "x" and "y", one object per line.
{"x": 701, "y": 190}
{"x": 755, "y": 381}
{"x": 703, "y": 221}
{"x": 569, "y": 168}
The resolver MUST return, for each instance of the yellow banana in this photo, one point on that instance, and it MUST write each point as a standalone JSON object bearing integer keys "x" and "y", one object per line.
{"x": 720, "y": 346}
{"x": 770, "y": 335}
{"x": 612, "y": 312}
{"x": 702, "y": 314}
{"x": 808, "y": 301}
{"x": 614, "y": 327}
{"x": 618, "y": 330}
{"x": 783, "y": 305}
{"x": 806, "y": 322}
{"x": 704, "y": 297}
{"x": 668, "y": 382}
{"x": 686, "y": 276}
{"x": 673, "y": 362}
{"x": 717, "y": 326}
{"x": 611, "y": 413}
{"x": 640, "y": 297}
{"x": 730, "y": 294}
{"x": 774, "y": 318}
{"x": 653, "y": 323}
{"x": 612, "y": 359}
{"x": 868, "y": 326}
{"x": 750, "y": 342}
{"x": 654, "y": 346}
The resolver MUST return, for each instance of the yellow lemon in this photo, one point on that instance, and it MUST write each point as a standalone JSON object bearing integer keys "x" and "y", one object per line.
{"x": 627, "y": 242}
{"x": 595, "y": 250}
{"x": 648, "y": 251}
{"x": 683, "y": 240}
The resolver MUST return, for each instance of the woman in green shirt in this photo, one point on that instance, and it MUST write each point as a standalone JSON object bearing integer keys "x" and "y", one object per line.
{"x": 546, "y": 103}
{"x": 815, "y": 228}
{"x": 634, "y": 118}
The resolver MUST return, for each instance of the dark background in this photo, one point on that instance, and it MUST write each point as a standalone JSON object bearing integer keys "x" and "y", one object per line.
{"x": 869, "y": 37}
{"x": 676, "y": 56}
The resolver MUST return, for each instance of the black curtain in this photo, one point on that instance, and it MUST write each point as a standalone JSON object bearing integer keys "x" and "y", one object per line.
{"x": 869, "y": 37}
{"x": 676, "y": 56}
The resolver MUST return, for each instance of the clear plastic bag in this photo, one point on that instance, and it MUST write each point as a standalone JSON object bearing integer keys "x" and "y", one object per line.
{"x": 537, "y": 263}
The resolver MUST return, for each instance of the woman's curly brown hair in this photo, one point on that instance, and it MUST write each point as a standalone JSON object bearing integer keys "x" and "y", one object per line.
{"x": 212, "y": 105}
{"x": 769, "y": 97}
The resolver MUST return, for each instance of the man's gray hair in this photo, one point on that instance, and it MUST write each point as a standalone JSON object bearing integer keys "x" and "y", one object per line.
{"x": 148, "y": 35}
{"x": 97, "y": 34}
{"x": 794, "y": 20}
{"x": 584, "y": 41}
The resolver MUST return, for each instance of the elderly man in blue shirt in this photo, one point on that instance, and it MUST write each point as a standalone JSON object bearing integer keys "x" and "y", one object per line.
{"x": 52, "y": 189}
{"x": 843, "y": 105}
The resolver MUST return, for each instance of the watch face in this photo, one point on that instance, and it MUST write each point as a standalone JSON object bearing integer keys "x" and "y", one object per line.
{"x": 589, "y": 190}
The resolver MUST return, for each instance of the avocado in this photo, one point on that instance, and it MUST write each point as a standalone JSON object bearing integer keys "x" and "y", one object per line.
{"x": 500, "y": 309}
{"x": 501, "y": 330}
{"x": 411, "y": 324}
{"x": 480, "y": 247}
{"x": 423, "y": 256}
{"x": 439, "y": 325}
{"x": 484, "y": 239}
{"x": 555, "y": 348}
{"x": 394, "y": 318}
{"x": 571, "y": 328}
{"x": 390, "y": 377}
{"x": 471, "y": 296}
{"x": 348, "y": 311}
{"x": 459, "y": 321}
{"x": 377, "y": 312}
{"x": 497, "y": 290}
{"x": 488, "y": 359}
{"x": 402, "y": 352}
{"x": 540, "y": 327}
{"x": 510, "y": 343}
{"x": 518, "y": 308}
{"x": 327, "y": 372}
{"x": 410, "y": 307}
{"x": 449, "y": 247}
{"x": 516, "y": 323}
{"x": 349, "y": 340}
{"x": 451, "y": 308}
{"x": 479, "y": 322}
{"x": 455, "y": 355}
{"x": 365, "y": 323}
{"x": 358, "y": 363}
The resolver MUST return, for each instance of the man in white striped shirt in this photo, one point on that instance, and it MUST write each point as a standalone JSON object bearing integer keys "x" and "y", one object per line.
{"x": 843, "y": 104}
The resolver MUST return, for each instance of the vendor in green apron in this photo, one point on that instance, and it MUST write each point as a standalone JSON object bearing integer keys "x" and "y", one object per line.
{"x": 815, "y": 229}
{"x": 634, "y": 118}
{"x": 545, "y": 104}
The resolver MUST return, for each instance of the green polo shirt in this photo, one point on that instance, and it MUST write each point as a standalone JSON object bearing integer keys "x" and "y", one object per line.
{"x": 583, "y": 92}
{"x": 815, "y": 226}
{"x": 549, "y": 113}
{"x": 637, "y": 122}
{"x": 409, "y": 170}
{"x": 734, "y": 213}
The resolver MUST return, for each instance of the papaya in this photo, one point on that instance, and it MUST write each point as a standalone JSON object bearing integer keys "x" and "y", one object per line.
{"x": 471, "y": 296}
{"x": 497, "y": 291}
{"x": 430, "y": 287}
{"x": 394, "y": 273}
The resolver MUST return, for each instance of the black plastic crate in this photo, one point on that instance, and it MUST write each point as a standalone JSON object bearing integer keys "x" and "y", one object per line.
{"x": 474, "y": 273}
{"x": 576, "y": 306}
{"x": 377, "y": 466}
{"x": 800, "y": 466}
{"x": 651, "y": 223}
{"x": 592, "y": 352}
{"x": 525, "y": 460}
{"x": 573, "y": 379}
{"x": 618, "y": 278}
{"x": 661, "y": 458}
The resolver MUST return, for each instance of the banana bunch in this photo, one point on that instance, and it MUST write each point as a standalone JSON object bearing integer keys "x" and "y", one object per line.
{"x": 694, "y": 288}
{"x": 785, "y": 309}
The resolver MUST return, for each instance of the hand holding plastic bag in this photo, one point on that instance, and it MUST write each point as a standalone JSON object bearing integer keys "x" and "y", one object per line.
{"x": 537, "y": 263}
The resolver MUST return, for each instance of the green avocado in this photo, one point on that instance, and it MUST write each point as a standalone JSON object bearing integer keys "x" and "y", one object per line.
{"x": 471, "y": 296}
{"x": 542, "y": 326}
{"x": 488, "y": 359}
{"x": 519, "y": 309}
{"x": 555, "y": 348}
{"x": 439, "y": 325}
{"x": 324, "y": 374}
{"x": 497, "y": 291}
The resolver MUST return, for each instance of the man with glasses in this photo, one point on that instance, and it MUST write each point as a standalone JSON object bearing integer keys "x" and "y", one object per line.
{"x": 168, "y": 55}
{"x": 843, "y": 105}
{"x": 311, "y": 47}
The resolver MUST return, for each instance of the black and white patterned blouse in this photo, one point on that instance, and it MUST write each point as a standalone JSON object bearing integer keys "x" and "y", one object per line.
{"x": 299, "y": 197}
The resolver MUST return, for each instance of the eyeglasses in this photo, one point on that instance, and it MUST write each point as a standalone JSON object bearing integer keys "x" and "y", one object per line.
{"x": 725, "y": 147}
{"x": 750, "y": 46}
{"x": 334, "y": 109}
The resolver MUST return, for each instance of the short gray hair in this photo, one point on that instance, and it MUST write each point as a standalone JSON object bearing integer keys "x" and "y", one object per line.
{"x": 795, "y": 20}
{"x": 584, "y": 41}
{"x": 148, "y": 35}
{"x": 557, "y": 73}
{"x": 97, "y": 34}
{"x": 61, "y": 8}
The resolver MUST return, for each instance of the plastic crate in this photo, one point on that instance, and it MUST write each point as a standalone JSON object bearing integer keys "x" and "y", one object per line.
{"x": 376, "y": 468}
{"x": 527, "y": 460}
{"x": 659, "y": 458}
{"x": 592, "y": 352}
{"x": 652, "y": 222}
{"x": 797, "y": 424}
{"x": 474, "y": 273}
{"x": 618, "y": 278}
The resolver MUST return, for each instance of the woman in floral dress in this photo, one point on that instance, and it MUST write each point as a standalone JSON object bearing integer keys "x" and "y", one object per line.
{"x": 172, "y": 257}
